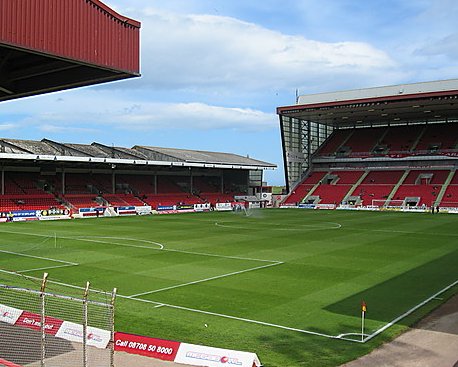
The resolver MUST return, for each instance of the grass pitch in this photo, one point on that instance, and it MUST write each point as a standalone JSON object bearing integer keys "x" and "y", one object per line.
{"x": 281, "y": 283}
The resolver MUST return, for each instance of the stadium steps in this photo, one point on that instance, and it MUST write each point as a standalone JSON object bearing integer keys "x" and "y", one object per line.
{"x": 345, "y": 140}
{"x": 441, "y": 194}
{"x": 352, "y": 190}
{"x": 382, "y": 138}
{"x": 310, "y": 193}
{"x": 396, "y": 187}
{"x": 417, "y": 141}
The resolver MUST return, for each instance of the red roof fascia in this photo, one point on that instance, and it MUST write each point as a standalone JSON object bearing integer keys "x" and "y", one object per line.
{"x": 368, "y": 100}
{"x": 86, "y": 31}
{"x": 115, "y": 14}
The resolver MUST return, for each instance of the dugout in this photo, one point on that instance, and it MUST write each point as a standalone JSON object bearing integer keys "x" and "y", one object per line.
{"x": 408, "y": 125}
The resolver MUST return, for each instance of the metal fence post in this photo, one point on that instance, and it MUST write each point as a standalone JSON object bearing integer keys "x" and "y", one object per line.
{"x": 85, "y": 321}
{"x": 64, "y": 325}
{"x": 112, "y": 322}
{"x": 43, "y": 319}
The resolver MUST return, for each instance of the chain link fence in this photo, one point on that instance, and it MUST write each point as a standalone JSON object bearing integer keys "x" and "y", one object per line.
{"x": 50, "y": 324}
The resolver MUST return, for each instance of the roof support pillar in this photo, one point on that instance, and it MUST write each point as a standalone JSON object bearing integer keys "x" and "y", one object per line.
{"x": 63, "y": 181}
{"x": 3, "y": 181}
{"x": 222, "y": 181}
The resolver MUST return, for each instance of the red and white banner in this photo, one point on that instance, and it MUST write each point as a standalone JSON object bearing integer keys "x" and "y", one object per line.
{"x": 199, "y": 355}
{"x": 196, "y": 355}
{"x": 9, "y": 314}
{"x": 62, "y": 329}
{"x": 33, "y": 321}
{"x": 74, "y": 332}
{"x": 6, "y": 363}
{"x": 145, "y": 346}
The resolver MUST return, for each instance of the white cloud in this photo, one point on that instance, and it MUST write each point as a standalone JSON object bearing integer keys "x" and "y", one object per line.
{"x": 196, "y": 116}
{"x": 104, "y": 109}
{"x": 53, "y": 128}
{"x": 209, "y": 51}
{"x": 7, "y": 127}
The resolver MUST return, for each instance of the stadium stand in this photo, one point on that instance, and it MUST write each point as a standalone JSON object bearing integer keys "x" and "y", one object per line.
{"x": 171, "y": 184}
{"x": 135, "y": 184}
{"x": 345, "y": 177}
{"x": 400, "y": 139}
{"x": 77, "y": 201}
{"x": 77, "y": 176}
{"x": 423, "y": 186}
{"x": 334, "y": 142}
{"x": 450, "y": 198}
{"x": 28, "y": 202}
{"x": 336, "y": 185}
{"x": 123, "y": 200}
{"x": 403, "y": 138}
{"x": 364, "y": 140}
{"x": 204, "y": 184}
{"x": 377, "y": 185}
{"x": 331, "y": 194}
{"x": 156, "y": 200}
{"x": 439, "y": 138}
{"x": 304, "y": 187}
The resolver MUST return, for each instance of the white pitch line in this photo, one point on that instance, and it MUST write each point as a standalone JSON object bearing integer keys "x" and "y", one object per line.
{"x": 45, "y": 268}
{"x": 203, "y": 280}
{"x": 221, "y": 256}
{"x": 82, "y": 238}
{"x": 161, "y": 246}
{"x": 86, "y": 238}
{"x": 407, "y": 313}
{"x": 308, "y": 227}
{"x": 415, "y": 233}
{"x": 15, "y": 273}
{"x": 159, "y": 304}
{"x": 38, "y": 257}
{"x": 236, "y": 318}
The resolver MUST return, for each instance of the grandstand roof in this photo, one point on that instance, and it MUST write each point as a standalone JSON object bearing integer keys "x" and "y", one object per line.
{"x": 48, "y": 150}
{"x": 47, "y": 46}
{"x": 400, "y": 104}
{"x": 199, "y": 156}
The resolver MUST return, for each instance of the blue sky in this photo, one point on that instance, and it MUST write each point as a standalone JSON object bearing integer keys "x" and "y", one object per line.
{"x": 213, "y": 71}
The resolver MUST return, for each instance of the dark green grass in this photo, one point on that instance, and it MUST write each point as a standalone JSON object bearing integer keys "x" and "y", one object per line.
{"x": 331, "y": 261}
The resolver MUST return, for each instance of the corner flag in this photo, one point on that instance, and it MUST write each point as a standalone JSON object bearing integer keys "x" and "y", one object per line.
{"x": 363, "y": 313}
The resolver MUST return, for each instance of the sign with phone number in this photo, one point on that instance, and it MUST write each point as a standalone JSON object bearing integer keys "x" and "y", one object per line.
{"x": 145, "y": 346}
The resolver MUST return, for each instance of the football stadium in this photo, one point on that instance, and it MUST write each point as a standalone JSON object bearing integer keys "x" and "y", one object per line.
{"x": 150, "y": 256}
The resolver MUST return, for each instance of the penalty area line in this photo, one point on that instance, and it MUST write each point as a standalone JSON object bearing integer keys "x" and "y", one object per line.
{"x": 203, "y": 280}
{"x": 45, "y": 268}
{"x": 39, "y": 257}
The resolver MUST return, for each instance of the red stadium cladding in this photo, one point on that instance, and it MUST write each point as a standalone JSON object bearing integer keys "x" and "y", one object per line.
{"x": 83, "y": 30}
